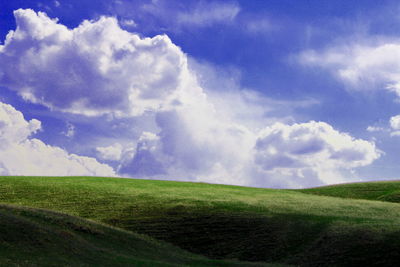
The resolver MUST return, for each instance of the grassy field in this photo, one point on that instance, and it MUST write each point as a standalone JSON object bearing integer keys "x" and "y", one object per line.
{"x": 32, "y": 237}
{"x": 381, "y": 191}
{"x": 227, "y": 222}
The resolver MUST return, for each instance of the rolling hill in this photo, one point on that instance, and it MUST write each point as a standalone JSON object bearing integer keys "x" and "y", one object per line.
{"x": 381, "y": 191}
{"x": 37, "y": 237}
{"x": 294, "y": 227}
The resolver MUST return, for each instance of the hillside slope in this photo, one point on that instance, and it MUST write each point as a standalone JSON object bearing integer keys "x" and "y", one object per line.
{"x": 227, "y": 222}
{"x": 32, "y": 237}
{"x": 381, "y": 191}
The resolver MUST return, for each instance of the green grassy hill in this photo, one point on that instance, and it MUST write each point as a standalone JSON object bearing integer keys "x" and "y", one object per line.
{"x": 32, "y": 237}
{"x": 226, "y": 222}
{"x": 382, "y": 191}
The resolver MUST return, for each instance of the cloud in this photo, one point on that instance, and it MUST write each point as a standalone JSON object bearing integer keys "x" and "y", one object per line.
{"x": 144, "y": 161}
{"x": 176, "y": 16}
{"x": 310, "y": 149}
{"x": 241, "y": 105}
{"x": 209, "y": 13}
{"x": 311, "y": 144}
{"x": 395, "y": 122}
{"x": 182, "y": 131}
{"x": 128, "y": 23}
{"x": 361, "y": 67}
{"x": 393, "y": 128}
{"x": 70, "y": 130}
{"x": 395, "y": 125}
{"x": 113, "y": 152}
{"x": 372, "y": 129}
{"x": 47, "y": 63}
{"x": 193, "y": 142}
{"x": 22, "y": 155}
{"x": 259, "y": 25}
{"x": 14, "y": 128}
{"x": 208, "y": 148}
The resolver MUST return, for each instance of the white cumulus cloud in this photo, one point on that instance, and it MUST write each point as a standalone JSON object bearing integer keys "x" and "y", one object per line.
{"x": 311, "y": 144}
{"x": 305, "y": 154}
{"x": 94, "y": 69}
{"x": 22, "y": 155}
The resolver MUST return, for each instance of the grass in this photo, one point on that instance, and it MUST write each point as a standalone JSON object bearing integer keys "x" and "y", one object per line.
{"x": 381, "y": 191}
{"x": 32, "y": 237}
{"x": 226, "y": 222}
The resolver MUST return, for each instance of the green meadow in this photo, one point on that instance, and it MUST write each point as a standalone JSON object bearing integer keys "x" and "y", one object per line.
{"x": 36, "y": 237}
{"x": 344, "y": 225}
{"x": 382, "y": 191}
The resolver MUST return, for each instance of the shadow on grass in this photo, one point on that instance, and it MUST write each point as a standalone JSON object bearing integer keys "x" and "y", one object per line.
{"x": 284, "y": 238}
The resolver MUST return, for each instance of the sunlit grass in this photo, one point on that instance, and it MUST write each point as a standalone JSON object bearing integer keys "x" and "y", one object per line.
{"x": 381, "y": 191}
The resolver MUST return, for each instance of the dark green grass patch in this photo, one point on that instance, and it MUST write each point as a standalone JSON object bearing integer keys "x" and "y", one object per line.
{"x": 32, "y": 237}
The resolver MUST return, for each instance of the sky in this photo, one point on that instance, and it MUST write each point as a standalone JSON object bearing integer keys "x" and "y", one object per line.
{"x": 278, "y": 94}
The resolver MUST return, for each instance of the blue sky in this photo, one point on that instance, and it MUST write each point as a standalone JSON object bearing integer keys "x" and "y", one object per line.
{"x": 258, "y": 93}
